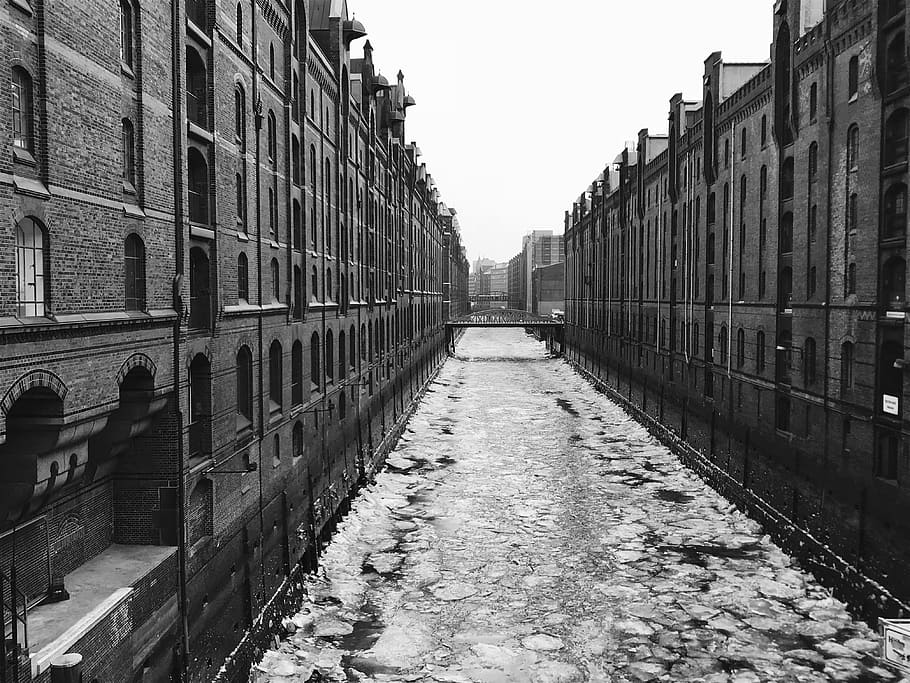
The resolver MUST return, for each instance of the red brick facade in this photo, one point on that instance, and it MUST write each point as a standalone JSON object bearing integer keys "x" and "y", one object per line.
{"x": 743, "y": 280}
{"x": 224, "y": 278}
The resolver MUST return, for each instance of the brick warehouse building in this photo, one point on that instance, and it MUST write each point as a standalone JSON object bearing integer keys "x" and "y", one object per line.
{"x": 225, "y": 280}
{"x": 742, "y": 281}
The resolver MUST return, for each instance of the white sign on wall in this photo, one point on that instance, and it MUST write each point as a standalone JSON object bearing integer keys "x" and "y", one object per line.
{"x": 890, "y": 404}
{"x": 896, "y": 642}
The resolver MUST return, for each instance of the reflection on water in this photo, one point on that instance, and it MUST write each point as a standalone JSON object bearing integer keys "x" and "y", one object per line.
{"x": 528, "y": 530}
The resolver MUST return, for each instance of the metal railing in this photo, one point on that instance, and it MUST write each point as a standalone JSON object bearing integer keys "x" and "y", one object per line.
{"x": 14, "y": 617}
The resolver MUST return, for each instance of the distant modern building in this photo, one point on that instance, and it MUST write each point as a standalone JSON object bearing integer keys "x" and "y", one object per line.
{"x": 549, "y": 289}
{"x": 539, "y": 248}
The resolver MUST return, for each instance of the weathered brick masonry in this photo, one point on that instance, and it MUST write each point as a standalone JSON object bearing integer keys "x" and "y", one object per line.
{"x": 742, "y": 280}
{"x": 223, "y": 281}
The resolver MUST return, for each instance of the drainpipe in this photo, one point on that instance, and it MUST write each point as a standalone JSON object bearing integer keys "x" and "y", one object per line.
{"x": 730, "y": 250}
{"x": 177, "y": 303}
{"x": 257, "y": 118}
{"x": 660, "y": 261}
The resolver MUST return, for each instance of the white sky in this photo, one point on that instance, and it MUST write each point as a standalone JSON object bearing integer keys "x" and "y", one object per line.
{"x": 521, "y": 104}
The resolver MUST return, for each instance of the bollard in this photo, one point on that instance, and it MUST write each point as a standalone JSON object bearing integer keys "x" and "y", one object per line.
{"x": 67, "y": 668}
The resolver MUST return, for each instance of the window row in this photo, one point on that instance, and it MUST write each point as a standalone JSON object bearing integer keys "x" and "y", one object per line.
{"x": 33, "y": 267}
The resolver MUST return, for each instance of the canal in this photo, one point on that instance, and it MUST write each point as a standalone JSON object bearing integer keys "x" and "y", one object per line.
{"x": 527, "y": 529}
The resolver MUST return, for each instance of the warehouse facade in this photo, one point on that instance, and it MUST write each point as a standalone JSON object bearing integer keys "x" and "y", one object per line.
{"x": 742, "y": 280}
{"x": 225, "y": 272}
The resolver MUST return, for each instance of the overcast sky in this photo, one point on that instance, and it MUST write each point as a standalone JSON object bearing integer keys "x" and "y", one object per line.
{"x": 521, "y": 104}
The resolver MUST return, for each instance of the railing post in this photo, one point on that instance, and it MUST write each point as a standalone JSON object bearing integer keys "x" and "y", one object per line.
{"x": 3, "y": 658}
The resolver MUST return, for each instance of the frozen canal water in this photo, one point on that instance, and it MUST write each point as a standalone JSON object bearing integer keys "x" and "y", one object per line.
{"x": 528, "y": 530}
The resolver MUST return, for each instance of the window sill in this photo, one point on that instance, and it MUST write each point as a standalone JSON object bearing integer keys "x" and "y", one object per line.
{"x": 198, "y": 33}
{"x": 197, "y": 131}
{"x": 202, "y": 232}
{"x": 128, "y": 187}
{"x": 242, "y": 236}
{"x": 23, "y": 156}
{"x": 22, "y": 5}
{"x": 127, "y": 70}
{"x": 853, "y": 98}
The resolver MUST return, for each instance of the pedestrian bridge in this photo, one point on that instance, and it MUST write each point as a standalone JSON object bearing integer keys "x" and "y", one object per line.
{"x": 549, "y": 330}
{"x": 503, "y": 317}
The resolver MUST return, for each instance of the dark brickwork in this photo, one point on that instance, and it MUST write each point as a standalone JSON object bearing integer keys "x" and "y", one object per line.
{"x": 120, "y": 417}
{"x": 742, "y": 280}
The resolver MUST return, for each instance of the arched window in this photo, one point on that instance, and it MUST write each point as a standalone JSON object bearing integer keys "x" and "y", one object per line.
{"x": 239, "y": 24}
{"x": 276, "y": 450}
{"x": 785, "y": 289}
{"x": 853, "y": 148}
{"x": 273, "y": 213}
{"x": 23, "y": 110}
{"x": 342, "y": 362}
{"x": 200, "y": 289}
{"x": 813, "y": 102}
{"x": 809, "y": 362}
{"x": 129, "y": 152}
{"x": 853, "y": 211}
{"x": 314, "y": 229}
{"x": 275, "y": 377}
{"x": 851, "y": 279}
{"x": 315, "y": 378}
{"x": 241, "y": 202}
{"x": 134, "y": 272}
{"x": 295, "y": 160}
{"x": 240, "y": 116}
{"x": 846, "y": 366}
{"x": 272, "y": 133}
{"x": 740, "y": 348}
{"x": 763, "y": 182}
{"x": 352, "y": 348}
{"x": 329, "y": 285}
{"x": 786, "y": 233}
{"x": 786, "y": 179}
{"x": 760, "y": 352}
{"x": 764, "y": 130}
{"x": 896, "y": 137}
{"x": 244, "y": 370}
{"x": 297, "y": 373}
{"x": 31, "y": 252}
{"x": 243, "y": 278}
{"x": 894, "y": 282}
{"x": 314, "y": 284}
{"x": 272, "y": 62}
{"x": 276, "y": 282}
{"x": 298, "y": 293}
{"x": 198, "y": 186}
{"x": 297, "y": 225}
{"x": 126, "y": 34}
{"x": 896, "y": 64}
{"x": 813, "y": 163}
{"x": 297, "y": 440}
{"x": 329, "y": 357}
{"x": 200, "y": 402}
{"x": 722, "y": 343}
{"x": 196, "y": 89}
{"x": 895, "y": 210}
{"x": 853, "y": 77}
{"x": 196, "y": 12}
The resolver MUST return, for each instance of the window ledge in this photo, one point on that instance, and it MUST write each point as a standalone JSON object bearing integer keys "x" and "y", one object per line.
{"x": 22, "y": 5}
{"x": 198, "y": 131}
{"x": 128, "y": 187}
{"x": 198, "y": 33}
{"x": 127, "y": 70}
{"x": 242, "y": 236}
{"x": 33, "y": 188}
{"x": 201, "y": 231}
{"x": 853, "y": 98}
{"x": 23, "y": 156}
